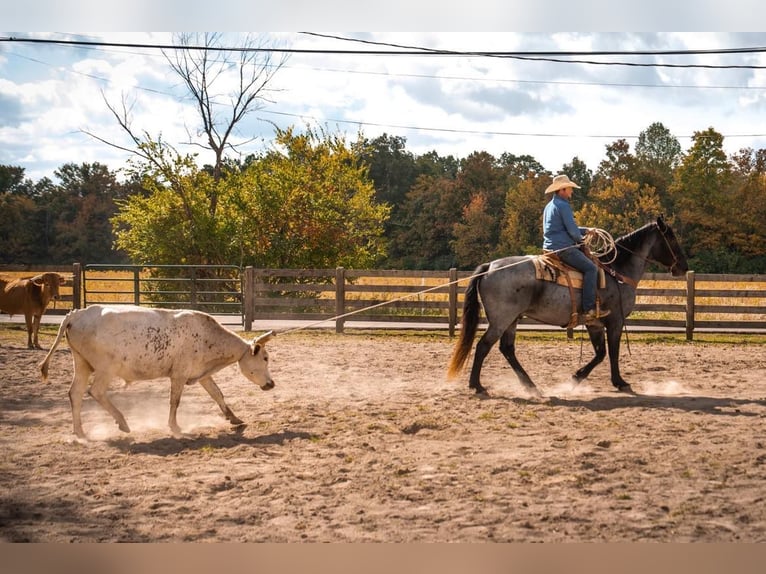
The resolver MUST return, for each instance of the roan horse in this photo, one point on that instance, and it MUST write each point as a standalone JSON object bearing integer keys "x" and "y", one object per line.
{"x": 509, "y": 290}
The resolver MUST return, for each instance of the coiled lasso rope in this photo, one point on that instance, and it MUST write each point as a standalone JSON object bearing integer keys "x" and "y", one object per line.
{"x": 599, "y": 242}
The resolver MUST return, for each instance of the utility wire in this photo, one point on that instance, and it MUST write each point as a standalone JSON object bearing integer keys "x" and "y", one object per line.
{"x": 546, "y": 56}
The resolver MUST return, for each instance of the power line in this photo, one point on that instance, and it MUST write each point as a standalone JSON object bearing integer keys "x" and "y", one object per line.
{"x": 480, "y": 132}
{"x": 410, "y": 127}
{"x": 547, "y": 56}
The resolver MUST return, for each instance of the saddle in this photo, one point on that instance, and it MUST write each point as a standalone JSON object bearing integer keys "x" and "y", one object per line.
{"x": 548, "y": 267}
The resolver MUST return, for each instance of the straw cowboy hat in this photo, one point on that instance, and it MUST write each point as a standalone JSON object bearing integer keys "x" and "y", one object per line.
{"x": 560, "y": 182}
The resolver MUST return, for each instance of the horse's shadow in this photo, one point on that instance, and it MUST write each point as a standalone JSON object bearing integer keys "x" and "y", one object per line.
{"x": 720, "y": 406}
{"x": 170, "y": 446}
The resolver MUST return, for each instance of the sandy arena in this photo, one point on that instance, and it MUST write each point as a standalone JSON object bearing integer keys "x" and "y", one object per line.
{"x": 364, "y": 439}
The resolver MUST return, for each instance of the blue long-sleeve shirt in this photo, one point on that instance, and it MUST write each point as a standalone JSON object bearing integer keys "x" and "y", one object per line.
{"x": 559, "y": 227}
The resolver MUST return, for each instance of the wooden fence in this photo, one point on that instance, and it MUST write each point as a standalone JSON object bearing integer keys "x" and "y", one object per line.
{"x": 725, "y": 303}
{"x": 694, "y": 303}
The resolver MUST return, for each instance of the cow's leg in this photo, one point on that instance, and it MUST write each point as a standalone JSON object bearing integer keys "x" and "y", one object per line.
{"x": 98, "y": 391}
{"x": 212, "y": 389}
{"x": 30, "y": 325}
{"x": 176, "y": 388}
{"x": 36, "y": 330}
{"x": 82, "y": 371}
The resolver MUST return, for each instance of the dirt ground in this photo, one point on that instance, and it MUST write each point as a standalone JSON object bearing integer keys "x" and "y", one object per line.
{"x": 364, "y": 439}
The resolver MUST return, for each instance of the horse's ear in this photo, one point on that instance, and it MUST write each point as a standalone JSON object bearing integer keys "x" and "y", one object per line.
{"x": 661, "y": 222}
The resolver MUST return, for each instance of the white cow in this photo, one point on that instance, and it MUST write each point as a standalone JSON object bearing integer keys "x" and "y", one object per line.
{"x": 139, "y": 343}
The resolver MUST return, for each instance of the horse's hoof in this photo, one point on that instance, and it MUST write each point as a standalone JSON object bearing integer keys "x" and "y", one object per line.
{"x": 626, "y": 388}
{"x": 481, "y": 393}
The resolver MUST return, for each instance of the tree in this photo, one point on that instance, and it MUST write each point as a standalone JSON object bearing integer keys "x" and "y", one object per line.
{"x": 205, "y": 68}
{"x": 392, "y": 169}
{"x": 433, "y": 206}
{"x": 522, "y": 230}
{"x": 307, "y": 203}
{"x": 749, "y": 195}
{"x": 705, "y": 216}
{"x": 205, "y": 71}
{"x": 620, "y": 207}
{"x": 474, "y": 242}
{"x": 658, "y": 153}
{"x": 582, "y": 176}
{"x": 619, "y": 162}
{"x": 79, "y": 209}
{"x": 20, "y": 239}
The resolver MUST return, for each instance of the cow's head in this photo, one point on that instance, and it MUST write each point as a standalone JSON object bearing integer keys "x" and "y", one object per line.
{"x": 50, "y": 282}
{"x": 255, "y": 363}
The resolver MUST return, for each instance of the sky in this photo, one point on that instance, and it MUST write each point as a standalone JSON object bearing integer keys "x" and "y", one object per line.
{"x": 50, "y": 95}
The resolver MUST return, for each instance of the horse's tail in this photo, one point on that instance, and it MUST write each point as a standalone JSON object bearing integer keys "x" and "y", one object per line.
{"x": 468, "y": 324}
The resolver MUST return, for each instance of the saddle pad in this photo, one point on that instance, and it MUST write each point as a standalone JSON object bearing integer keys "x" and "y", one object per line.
{"x": 545, "y": 270}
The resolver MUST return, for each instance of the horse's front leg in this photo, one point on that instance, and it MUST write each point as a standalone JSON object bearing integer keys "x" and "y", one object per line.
{"x": 613, "y": 333}
{"x": 597, "y": 339}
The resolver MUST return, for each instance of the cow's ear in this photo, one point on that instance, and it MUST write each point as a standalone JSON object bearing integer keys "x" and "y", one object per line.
{"x": 256, "y": 347}
{"x": 38, "y": 280}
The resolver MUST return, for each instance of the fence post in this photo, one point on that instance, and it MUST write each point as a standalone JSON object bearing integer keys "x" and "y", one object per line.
{"x": 690, "y": 287}
{"x": 452, "y": 300}
{"x": 136, "y": 287}
{"x": 76, "y": 285}
{"x": 340, "y": 297}
{"x": 193, "y": 289}
{"x": 248, "y": 297}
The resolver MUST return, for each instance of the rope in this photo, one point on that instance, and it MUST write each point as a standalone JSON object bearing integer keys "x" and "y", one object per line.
{"x": 599, "y": 242}
{"x": 410, "y": 295}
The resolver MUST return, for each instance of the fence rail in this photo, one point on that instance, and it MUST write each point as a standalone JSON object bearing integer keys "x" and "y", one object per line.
{"x": 694, "y": 303}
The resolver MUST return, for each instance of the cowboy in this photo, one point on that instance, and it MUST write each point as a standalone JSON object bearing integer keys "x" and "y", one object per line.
{"x": 562, "y": 235}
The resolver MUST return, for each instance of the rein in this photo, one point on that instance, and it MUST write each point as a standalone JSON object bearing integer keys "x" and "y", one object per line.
{"x": 633, "y": 282}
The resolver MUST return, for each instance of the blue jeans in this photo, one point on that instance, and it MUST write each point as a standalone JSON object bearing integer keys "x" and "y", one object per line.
{"x": 582, "y": 263}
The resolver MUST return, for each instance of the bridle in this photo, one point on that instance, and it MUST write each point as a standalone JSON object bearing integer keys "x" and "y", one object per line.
{"x": 669, "y": 247}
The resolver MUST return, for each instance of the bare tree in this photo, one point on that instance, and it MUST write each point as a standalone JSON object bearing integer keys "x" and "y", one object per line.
{"x": 225, "y": 83}
{"x": 203, "y": 64}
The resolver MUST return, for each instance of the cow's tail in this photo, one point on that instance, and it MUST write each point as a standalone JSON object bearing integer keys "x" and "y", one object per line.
{"x": 62, "y": 331}
{"x": 468, "y": 323}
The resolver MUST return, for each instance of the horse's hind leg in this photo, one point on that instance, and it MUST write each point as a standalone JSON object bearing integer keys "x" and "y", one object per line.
{"x": 598, "y": 341}
{"x": 508, "y": 349}
{"x": 483, "y": 347}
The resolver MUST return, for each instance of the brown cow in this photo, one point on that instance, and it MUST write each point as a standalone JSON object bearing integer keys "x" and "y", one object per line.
{"x": 30, "y": 297}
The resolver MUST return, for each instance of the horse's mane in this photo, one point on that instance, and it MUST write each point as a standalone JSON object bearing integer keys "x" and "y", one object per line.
{"x": 627, "y": 244}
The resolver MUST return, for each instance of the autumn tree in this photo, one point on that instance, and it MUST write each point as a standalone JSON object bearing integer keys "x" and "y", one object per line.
{"x": 432, "y": 207}
{"x": 306, "y": 203}
{"x": 658, "y": 153}
{"x": 619, "y": 162}
{"x": 704, "y": 214}
{"x": 522, "y": 231}
{"x": 748, "y": 238}
{"x": 578, "y": 172}
{"x": 620, "y": 207}
{"x": 473, "y": 240}
{"x": 22, "y": 231}
{"x": 80, "y": 207}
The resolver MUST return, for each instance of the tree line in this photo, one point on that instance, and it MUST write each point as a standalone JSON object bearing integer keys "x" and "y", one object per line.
{"x": 315, "y": 199}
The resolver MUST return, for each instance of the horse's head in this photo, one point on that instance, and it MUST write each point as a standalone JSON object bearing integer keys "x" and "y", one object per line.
{"x": 667, "y": 250}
